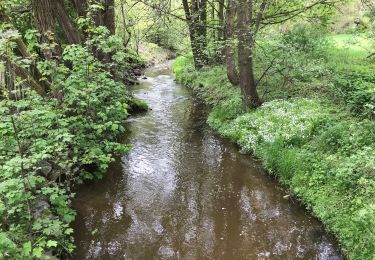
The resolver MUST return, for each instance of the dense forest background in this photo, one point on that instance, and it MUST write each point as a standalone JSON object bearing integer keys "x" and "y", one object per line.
{"x": 292, "y": 82}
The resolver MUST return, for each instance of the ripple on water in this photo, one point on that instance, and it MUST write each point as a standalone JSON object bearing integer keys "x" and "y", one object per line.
{"x": 184, "y": 193}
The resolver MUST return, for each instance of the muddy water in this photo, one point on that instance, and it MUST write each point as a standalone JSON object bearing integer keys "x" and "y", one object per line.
{"x": 184, "y": 193}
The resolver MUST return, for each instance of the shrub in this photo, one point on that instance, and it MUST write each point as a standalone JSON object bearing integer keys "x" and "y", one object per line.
{"x": 47, "y": 146}
{"x": 306, "y": 39}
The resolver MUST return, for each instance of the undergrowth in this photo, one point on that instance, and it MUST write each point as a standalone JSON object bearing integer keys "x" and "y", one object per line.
{"x": 322, "y": 153}
{"x": 49, "y": 145}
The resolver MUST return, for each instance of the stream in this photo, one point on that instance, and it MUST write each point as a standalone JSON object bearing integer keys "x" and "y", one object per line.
{"x": 184, "y": 193}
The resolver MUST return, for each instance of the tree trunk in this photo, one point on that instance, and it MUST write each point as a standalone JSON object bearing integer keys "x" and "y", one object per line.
{"x": 109, "y": 16}
{"x": 106, "y": 17}
{"x": 80, "y": 6}
{"x": 45, "y": 23}
{"x": 220, "y": 34}
{"x": 245, "y": 55}
{"x": 202, "y": 30}
{"x": 230, "y": 61}
{"x": 127, "y": 33}
{"x": 71, "y": 33}
{"x": 12, "y": 70}
{"x": 32, "y": 75}
{"x": 196, "y": 17}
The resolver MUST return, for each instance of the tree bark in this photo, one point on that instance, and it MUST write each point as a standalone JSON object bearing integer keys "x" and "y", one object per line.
{"x": 24, "y": 74}
{"x": 106, "y": 17}
{"x": 220, "y": 34}
{"x": 32, "y": 76}
{"x": 127, "y": 37}
{"x": 109, "y": 16}
{"x": 80, "y": 6}
{"x": 230, "y": 61}
{"x": 196, "y": 16}
{"x": 44, "y": 20}
{"x": 71, "y": 33}
{"x": 245, "y": 55}
{"x": 202, "y": 30}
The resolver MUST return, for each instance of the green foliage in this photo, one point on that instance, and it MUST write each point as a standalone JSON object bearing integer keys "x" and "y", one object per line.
{"x": 291, "y": 122}
{"x": 325, "y": 157}
{"x": 167, "y": 34}
{"x": 357, "y": 87}
{"x": 213, "y": 81}
{"x": 142, "y": 23}
{"x": 306, "y": 39}
{"x": 333, "y": 66}
{"x": 50, "y": 144}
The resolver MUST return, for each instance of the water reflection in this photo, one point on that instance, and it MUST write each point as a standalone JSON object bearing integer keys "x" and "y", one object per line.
{"x": 184, "y": 193}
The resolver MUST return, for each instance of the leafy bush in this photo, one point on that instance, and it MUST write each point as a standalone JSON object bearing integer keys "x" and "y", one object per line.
{"x": 357, "y": 86}
{"x": 47, "y": 146}
{"x": 306, "y": 39}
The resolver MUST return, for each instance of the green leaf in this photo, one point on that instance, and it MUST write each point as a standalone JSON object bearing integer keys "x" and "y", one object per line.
{"x": 26, "y": 248}
{"x": 37, "y": 252}
{"x": 51, "y": 243}
{"x": 114, "y": 127}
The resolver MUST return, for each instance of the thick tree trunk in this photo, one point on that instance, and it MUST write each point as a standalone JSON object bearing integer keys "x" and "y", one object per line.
{"x": 106, "y": 17}
{"x": 33, "y": 74}
{"x": 13, "y": 70}
{"x": 71, "y": 33}
{"x": 80, "y": 6}
{"x": 45, "y": 23}
{"x": 245, "y": 55}
{"x": 230, "y": 61}
{"x": 109, "y": 16}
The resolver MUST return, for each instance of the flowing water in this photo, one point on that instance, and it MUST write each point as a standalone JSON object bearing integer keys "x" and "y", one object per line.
{"x": 184, "y": 193}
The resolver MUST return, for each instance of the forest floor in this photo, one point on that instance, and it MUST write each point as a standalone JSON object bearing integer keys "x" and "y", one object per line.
{"x": 317, "y": 136}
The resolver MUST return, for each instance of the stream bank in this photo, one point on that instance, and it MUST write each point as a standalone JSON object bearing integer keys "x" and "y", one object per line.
{"x": 321, "y": 153}
{"x": 184, "y": 192}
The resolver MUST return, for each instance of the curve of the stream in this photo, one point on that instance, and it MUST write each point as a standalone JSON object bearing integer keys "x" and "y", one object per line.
{"x": 184, "y": 193}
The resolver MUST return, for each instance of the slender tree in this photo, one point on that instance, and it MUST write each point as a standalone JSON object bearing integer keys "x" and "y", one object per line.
{"x": 252, "y": 16}
{"x": 220, "y": 15}
{"x": 245, "y": 54}
{"x": 230, "y": 59}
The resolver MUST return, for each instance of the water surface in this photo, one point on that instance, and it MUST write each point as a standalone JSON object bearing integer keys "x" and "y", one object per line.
{"x": 184, "y": 193}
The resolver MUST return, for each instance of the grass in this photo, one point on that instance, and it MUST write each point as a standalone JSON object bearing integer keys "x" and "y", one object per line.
{"x": 321, "y": 148}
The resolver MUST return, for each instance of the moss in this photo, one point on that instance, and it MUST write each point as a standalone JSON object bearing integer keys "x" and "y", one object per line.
{"x": 137, "y": 106}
